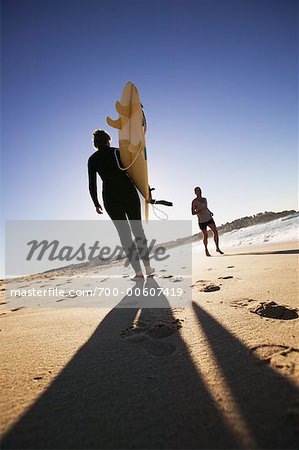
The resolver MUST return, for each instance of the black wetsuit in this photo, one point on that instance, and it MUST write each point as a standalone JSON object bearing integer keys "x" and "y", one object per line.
{"x": 119, "y": 193}
{"x": 121, "y": 201}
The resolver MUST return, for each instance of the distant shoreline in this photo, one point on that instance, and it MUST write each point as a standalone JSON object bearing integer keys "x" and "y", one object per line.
{"x": 243, "y": 222}
{"x": 75, "y": 270}
{"x": 256, "y": 219}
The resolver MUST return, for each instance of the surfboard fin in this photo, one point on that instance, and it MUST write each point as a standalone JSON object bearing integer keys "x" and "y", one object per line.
{"x": 123, "y": 110}
{"x": 118, "y": 123}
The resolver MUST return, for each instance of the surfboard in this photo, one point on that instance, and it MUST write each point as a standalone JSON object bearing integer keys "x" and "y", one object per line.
{"x": 131, "y": 128}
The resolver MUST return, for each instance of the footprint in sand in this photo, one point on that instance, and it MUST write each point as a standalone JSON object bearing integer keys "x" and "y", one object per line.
{"x": 152, "y": 347}
{"x": 157, "y": 329}
{"x": 283, "y": 358}
{"x": 242, "y": 302}
{"x": 149, "y": 334}
{"x": 199, "y": 281}
{"x": 275, "y": 311}
{"x": 160, "y": 349}
{"x": 178, "y": 310}
{"x": 178, "y": 280}
{"x": 70, "y": 295}
{"x": 210, "y": 288}
{"x": 163, "y": 328}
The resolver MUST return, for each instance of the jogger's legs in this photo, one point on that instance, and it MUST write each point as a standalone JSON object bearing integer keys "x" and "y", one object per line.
{"x": 205, "y": 241}
{"x": 216, "y": 237}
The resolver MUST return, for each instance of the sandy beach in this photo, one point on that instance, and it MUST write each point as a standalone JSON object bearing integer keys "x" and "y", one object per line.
{"x": 216, "y": 374}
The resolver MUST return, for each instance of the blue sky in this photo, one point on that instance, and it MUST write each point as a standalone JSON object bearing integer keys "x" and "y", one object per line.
{"x": 218, "y": 79}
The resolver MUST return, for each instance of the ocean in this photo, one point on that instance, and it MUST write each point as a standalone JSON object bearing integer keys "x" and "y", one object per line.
{"x": 279, "y": 230}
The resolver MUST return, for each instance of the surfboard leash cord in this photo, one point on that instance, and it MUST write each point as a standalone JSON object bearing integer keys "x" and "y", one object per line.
{"x": 130, "y": 165}
{"x": 160, "y": 211}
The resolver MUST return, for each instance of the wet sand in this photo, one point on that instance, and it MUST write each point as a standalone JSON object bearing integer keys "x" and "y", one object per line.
{"x": 222, "y": 372}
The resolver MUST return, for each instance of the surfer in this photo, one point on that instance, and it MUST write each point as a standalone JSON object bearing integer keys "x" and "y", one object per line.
{"x": 121, "y": 200}
{"x": 199, "y": 207}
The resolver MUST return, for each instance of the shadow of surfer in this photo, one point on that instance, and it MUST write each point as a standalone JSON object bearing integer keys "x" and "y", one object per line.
{"x": 133, "y": 384}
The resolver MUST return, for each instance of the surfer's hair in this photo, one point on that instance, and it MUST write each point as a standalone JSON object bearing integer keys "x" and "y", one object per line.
{"x": 100, "y": 137}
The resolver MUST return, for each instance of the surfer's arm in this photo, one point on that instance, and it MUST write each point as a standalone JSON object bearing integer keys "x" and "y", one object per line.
{"x": 92, "y": 178}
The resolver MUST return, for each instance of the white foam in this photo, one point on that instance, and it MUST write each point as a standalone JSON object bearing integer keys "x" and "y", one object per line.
{"x": 279, "y": 230}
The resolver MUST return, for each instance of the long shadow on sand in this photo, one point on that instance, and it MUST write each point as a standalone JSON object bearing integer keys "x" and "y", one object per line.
{"x": 124, "y": 393}
{"x": 277, "y": 252}
{"x": 262, "y": 395}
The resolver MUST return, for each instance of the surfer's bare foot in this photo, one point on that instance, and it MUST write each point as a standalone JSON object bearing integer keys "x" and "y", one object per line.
{"x": 150, "y": 271}
{"x": 138, "y": 276}
{"x": 207, "y": 252}
{"x": 219, "y": 251}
